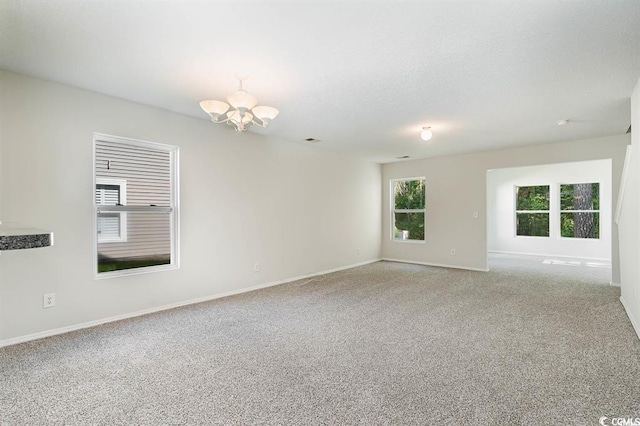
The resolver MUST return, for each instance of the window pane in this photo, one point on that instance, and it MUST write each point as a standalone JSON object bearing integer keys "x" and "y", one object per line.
{"x": 409, "y": 194}
{"x": 108, "y": 194}
{"x": 409, "y": 226}
{"x": 146, "y": 171}
{"x": 109, "y": 227}
{"x": 532, "y": 224}
{"x": 532, "y": 197}
{"x": 148, "y": 243}
{"x": 580, "y": 196}
{"x": 580, "y": 225}
{"x": 135, "y": 175}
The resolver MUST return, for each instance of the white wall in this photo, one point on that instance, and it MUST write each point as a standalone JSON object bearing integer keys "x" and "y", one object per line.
{"x": 456, "y": 188}
{"x": 501, "y": 203}
{"x": 245, "y": 198}
{"x": 628, "y": 223}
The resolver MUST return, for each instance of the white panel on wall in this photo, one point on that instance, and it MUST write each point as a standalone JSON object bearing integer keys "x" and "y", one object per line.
{"x": 628, "y": 226}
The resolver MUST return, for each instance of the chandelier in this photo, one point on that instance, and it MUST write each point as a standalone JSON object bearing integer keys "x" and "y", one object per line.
{"x": 241, "y": 111}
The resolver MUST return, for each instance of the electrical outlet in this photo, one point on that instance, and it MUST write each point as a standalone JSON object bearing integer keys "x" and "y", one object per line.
{"x": 358, "y": 250}
{"x": 256, "y": 267}
{"x": 475, "y": 215}
{"x": 48, "y": 300}
{"x": 453, "y": 252}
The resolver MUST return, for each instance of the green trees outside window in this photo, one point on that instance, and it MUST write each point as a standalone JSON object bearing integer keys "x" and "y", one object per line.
{"x": 580, "y": 210}
{"x": 532, "y": 211}
{"x": 408, "y": 209}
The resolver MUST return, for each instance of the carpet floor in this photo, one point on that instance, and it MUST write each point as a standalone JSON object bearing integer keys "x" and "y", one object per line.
{"x": 387, "y": 343}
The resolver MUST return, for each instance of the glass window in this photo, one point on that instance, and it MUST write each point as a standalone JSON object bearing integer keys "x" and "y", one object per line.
{"x": 408, "y": 205}
{"x": 532, "y": 211}
{"x": 111, "y": 227}
{"x": 136, "y": 206}
{"x": 580, "y": 210}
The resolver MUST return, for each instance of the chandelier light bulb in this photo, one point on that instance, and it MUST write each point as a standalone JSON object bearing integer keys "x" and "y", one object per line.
{"x": 426, "y": 133}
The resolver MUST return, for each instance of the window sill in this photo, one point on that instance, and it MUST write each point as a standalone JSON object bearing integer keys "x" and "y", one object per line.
{"x": 395, "y": 240}
{"x": 579, "y": 239}
{"x": 134, "y": 271}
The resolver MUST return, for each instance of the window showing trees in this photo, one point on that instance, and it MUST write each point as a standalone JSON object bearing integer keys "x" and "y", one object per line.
{"x": 580, "y": 210}
{"x": 408, "y": 209}
{"x": 532, "y": 211}
{"x": 135, "y": 206}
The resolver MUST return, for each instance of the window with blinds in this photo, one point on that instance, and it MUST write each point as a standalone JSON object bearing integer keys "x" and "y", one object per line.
{"x": 136, "y": 206}
{"x": 108, "y": 195}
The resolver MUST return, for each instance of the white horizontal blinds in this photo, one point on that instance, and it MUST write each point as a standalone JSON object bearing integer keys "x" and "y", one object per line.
{"x": 147, "y": 173}
{"x": 109, "y": 224}
{"x": 108, "y": 195}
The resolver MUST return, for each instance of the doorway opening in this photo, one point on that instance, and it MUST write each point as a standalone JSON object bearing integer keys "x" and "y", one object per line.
{"x": 557, "y": 215}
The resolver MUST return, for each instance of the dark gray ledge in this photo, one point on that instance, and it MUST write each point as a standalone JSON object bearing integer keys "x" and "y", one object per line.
{"x": 14, "y": 236}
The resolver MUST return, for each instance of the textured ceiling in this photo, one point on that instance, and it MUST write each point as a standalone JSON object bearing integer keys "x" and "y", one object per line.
{"x": 361, "y": 76}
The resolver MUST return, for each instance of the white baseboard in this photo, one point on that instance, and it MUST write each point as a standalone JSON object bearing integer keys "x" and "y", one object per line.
{"x": 62, "y": 330}
{"x": 614, "y": 284}
{"x": 517, "y": 253}
{"x": 634, "y": 322}
{"x": 440, "y": 265}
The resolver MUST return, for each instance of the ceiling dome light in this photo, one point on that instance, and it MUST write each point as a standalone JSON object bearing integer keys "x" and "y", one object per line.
{"x": 426, "y": 133}
{"x": 241, "y": 112}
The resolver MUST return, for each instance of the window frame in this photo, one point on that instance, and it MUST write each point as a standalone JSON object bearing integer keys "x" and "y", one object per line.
{"x": 173, "y": 209}
{"x": 392, "y": 199}
{"x": 560, "y": 211}
{"x": 516, "y": 212}
{"x": 122, "y": 192}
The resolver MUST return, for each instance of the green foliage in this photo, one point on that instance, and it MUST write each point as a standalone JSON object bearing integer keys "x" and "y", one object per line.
{"x": 580, "y": 225}
{"x": 409, "y": 195}
{"x": 581, "y": 196}
{"x": 532, "y": 197}
{"x": 116, "y": 265}
{"x": 532, "y": 224}
{"x": 574, "y": 221}
{"x": 412, "y": 222}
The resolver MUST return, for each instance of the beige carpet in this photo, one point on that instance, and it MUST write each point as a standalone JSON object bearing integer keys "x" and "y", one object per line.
{"x": 388, "y": 343}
